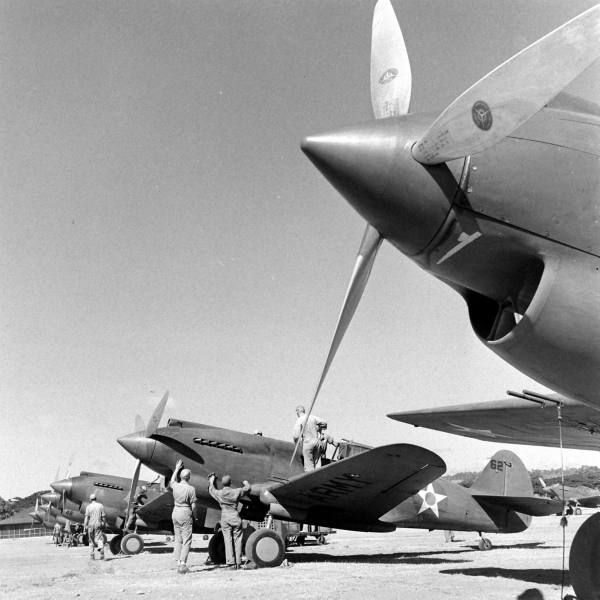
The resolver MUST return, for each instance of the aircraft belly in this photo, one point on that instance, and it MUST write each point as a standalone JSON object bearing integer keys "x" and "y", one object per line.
{"x": 549, "y": 190}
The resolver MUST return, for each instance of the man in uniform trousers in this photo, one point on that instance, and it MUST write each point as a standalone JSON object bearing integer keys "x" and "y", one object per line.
{"x": 184, "y": 511}
{"x": 94, "y": 522}
{"x": 231, "y": 522}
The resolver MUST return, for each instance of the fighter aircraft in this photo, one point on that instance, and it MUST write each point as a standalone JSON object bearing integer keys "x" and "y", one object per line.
{"x": 573, "y": 497}
{"x": 72, "y": 497}
{"x": 497, "y": 196}
{"x": 376, "y": 489}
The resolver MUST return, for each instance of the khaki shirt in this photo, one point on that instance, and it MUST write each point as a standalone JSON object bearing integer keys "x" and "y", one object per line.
{"x": 184, "y": 494}
{"x": 94, "y": 514}
{"x": 311, "y": 431}
{"x": 228, "y": 499}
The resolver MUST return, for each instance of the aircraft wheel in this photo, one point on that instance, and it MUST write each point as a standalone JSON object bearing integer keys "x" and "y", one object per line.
{"x": 300, "y": 541}
{"x": 83, "y": 540}
{"x": 216, "y": 548}
{"x": 246, "y": 533}
{"x": 485, "y": 544}
{"x": 132, "y": 543}
{"x": 115, "y": 544}
{"x": 578, "y": 511}
{"x": 321, "y": 539}
{"x": 265, "y": 548}
{"x": 584, "y": 559}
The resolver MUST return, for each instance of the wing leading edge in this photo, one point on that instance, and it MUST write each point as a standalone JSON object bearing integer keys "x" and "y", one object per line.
{"x": 513, "y": 421}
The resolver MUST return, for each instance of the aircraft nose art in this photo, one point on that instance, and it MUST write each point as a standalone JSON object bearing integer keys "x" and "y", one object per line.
{"x": 371, "y": 165}
{"x": 138, "y": 446}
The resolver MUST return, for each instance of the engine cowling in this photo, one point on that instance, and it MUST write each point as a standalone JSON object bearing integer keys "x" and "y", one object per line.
{"x": 556, "y": 339}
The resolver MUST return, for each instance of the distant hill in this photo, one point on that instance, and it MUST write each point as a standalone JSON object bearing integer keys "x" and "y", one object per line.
{"x": 574, "y": 476}
{"x": 7, "y": 509}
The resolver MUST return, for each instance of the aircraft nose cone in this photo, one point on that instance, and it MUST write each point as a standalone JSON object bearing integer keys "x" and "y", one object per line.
{"x": 372, "y": 166}
{"x": 138, "y": 446}
{"x": 51, "y": 497}
{"x": 63, "y": 486}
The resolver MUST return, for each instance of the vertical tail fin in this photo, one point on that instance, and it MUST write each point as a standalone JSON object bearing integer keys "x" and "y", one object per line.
{"x": 504, "y": 475}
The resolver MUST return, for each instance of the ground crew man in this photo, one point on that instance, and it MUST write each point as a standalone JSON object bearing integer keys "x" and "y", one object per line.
{"x": 138, "y": 501}
{"x": 184, "y": 511}
{"x": 57, "y": 534}
{"x": 231, "y": 522}
{"x": 94, "y": 522}
{"x": 324, "y": 440}
{"x": 310, "y": 437}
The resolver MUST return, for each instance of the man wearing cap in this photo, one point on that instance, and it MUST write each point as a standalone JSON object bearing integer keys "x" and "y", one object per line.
{"x": 94, "y": 522}
{"x": 231, "y": 522}
{"x": 184, "y": 510}
{"x": 310, "y": 436}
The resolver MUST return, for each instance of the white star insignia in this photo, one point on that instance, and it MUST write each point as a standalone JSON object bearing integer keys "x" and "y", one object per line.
{"x": 430, "y": 500}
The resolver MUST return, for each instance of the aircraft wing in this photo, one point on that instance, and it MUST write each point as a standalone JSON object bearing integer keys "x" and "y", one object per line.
{"x": 513, "y": 421}
{"x": 158, "y": 508}
{"x": 361, "y": 488}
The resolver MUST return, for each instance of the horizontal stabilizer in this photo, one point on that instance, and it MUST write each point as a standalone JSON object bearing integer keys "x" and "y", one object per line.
{"x": 363, "y": 487}
{"x": 527, "y": 505}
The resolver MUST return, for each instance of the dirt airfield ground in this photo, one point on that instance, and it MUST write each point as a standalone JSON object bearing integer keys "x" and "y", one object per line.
{"x": 356, "y": 566}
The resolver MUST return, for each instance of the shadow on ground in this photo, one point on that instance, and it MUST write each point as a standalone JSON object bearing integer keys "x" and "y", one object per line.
{"x": 541, "y": 576}
{"x": 394, "y": 558}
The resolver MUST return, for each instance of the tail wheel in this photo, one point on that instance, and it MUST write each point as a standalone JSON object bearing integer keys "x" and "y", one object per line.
{"x": 115, "y": 544}
{"x": 132, "y": 543}
{"x": 216, "y": 548}
{"x": 485, "y": 544}
{"x": 578, "y": 511}
{"x": 584, "y": 559}
{"x": 265, "y": 548}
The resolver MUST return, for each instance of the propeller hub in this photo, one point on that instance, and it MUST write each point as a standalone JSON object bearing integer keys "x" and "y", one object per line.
{"x": 63, "y": 486}
{"x": 372, "y": 166}
{"x": 138, "y": 446}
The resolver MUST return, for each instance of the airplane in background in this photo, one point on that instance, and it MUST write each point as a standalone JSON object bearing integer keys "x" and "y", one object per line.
{"x": 498, "y": 197}
{"x": 366, "y": 489}
{"x": 72, "y": 494}
{"x": 573, "y": 497}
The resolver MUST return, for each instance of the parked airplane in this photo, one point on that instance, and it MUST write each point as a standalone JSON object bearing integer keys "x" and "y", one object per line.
{"x": 376, "y": 489}
{"x": 112, "y": 491}
{"x": 498, "y": 197}
{"x": 573, "y": 497}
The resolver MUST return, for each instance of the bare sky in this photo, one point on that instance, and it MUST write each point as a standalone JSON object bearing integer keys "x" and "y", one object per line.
{"x": 161, "y": 229}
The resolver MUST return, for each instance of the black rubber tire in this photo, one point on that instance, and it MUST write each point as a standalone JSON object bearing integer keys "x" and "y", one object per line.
{"x": 265, "y": 548}
{"x": 115, "y": 544}
{"x": 132, "y": 543}
{"x": 216, "y": 548}
{"x": 301, "y": 540}
{"x": 584, "y": 559}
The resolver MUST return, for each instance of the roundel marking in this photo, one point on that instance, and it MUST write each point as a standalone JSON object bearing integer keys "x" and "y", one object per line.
{"x": 388, "y": 76}
{"x": 482, "y": 115}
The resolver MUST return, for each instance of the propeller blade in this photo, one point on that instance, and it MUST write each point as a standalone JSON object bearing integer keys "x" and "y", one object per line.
{"x": 391, "y": 79}
{"x": 139, "y": 423}
{"x": 362, "y": 268}
{"x": 157, "y": 415}
{"x": 134, "y": 482}
{"x": 505, "y": 98}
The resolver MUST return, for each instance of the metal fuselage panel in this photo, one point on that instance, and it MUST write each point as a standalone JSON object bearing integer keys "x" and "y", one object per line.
{"x": 455, "y": 509}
